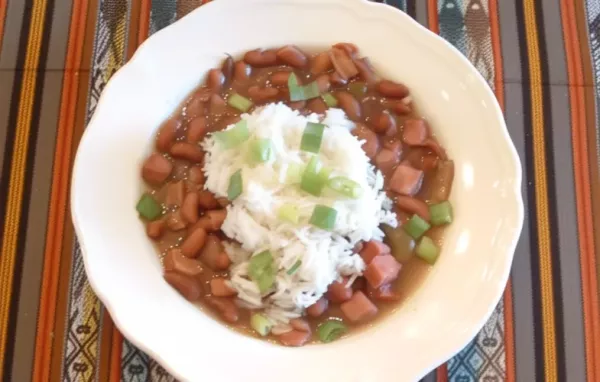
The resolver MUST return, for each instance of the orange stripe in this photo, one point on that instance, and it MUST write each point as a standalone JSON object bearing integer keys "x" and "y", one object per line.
{"x": 58, "y": 198}
{"x": 144, "y": 20}
{"x": 581, "y": 168}
{"x": 509, "y": 341}
{"x": 3, "y": 7}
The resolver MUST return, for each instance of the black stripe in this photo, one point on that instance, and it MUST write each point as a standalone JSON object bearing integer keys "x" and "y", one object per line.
{"x": 411, "y": 8}
{"x": 25, "y": 200}
{"x": 552, "y": 199}
{"x": 530, "y": 186}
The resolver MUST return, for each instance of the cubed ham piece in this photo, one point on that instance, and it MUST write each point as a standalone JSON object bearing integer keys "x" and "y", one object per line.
{"x": 177, "y": 262}
{"x": 387, "y": 159}
{"x": 382, "y": 270}
{"x": 406, "y": 180}
{"x": 156, "y": 169}
{"x": 220, "y": 287}
{"x": 359, "y": 308}
{"x": 415, "y": 132}
{"x": 318, "y": 308}
{"x": 294, "y": 338}
{"x": 338, "y": 292}
{"x": 372, "y": 249}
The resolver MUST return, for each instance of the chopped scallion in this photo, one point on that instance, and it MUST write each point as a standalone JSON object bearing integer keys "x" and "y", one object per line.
{"x": 331, "y": 330}
{"x": 427, "y": 250}
{"x": 302, "y": 93}
{"x": 233, "y": 136}
{"x": 441, "y": 213}
{"x": 330, "y": 100}
{"x": 312, "y": 181}
{"x": 148, "y": 207}
{"x": 261, "y": 324}
{"x": 289, "y": 213}
{"x": 323, "y": 217}
{"x": 358, "y": 89}
{"x": 261, "y": 270}
{"x": 294, "y": 267}
{"x": 235, "y": 185}
{"x": 261, "y": 150}
{"x": 294, "y": 172}
{"x": 345, "y": 186}
{"x": 312, "y": 137}
{"x": 416, "y": 227}
{"x": 239, "y": 102}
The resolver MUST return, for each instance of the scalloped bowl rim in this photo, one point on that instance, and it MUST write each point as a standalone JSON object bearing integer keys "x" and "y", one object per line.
{"x": 508, "y": 231}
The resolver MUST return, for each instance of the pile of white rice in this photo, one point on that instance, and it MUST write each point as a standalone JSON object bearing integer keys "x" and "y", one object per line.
{"x": 252, "y": 218}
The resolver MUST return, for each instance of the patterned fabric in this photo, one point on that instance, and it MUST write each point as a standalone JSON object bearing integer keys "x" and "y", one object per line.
{"x": 542, "y": 59}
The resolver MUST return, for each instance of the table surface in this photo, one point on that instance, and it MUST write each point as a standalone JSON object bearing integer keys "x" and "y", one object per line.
{"x": 542, "y": 58}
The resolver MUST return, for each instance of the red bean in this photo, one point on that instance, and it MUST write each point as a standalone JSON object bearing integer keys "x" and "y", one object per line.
{"x": 187, "y": 286}
{"x": 292, "y": 56}
{"x": 350, "y": 105}
{"x": 227, "y": 69}
{"x": 216, "y": 105}
{"x": 321, "y": 63}
{"x": 175, "y": 221}
{"x": 166, "y": 134}
{"x": 189, "y": 207}
{"x": 192, "y": 244}
{"x": 300, "y": 325}
{"x": 260, "y": 95}
{"x": 195, "y": 108}
{"x": 365, "y": 70}
{"x": 215, "y": 80}
{"x": 189, "y": 151}
{"x": 241, "y": 72}
{"x": 156, "y": 169}
{"x": 196, "y": 175}
{"x": 348, "y": 47}
{"x": 175, "y": 194}
{"x": 207, "y": 200}
{"x": 294, "y": 338}
{"x": 392, "y": 89}
{"x": 337, "y": 80}
{"x": 261, "y": 58}
{"x": 402, "y": 108}
{"x": 155, "y": 229}
{"x": 323, "y": 83}
{"x": 211, "y": 252}
{"x": 383, "y": 122}
{"x": 175, "y": 261}
{"x": 219, "y": 287}
{"x": 342, "y": 63}
{"x": 338, "y": 291}
{"x": 280, "y": 78}
{"x": 226, "y": 307}
{"x": 318, "y": 308}
{"x": 196, "y": 130}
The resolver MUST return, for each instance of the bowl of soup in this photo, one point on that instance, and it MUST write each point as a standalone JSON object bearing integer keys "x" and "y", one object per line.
{"x": 293, "y": 197}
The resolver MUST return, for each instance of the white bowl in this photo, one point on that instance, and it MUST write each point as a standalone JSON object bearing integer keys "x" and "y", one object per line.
{"x": 442, "y": 316}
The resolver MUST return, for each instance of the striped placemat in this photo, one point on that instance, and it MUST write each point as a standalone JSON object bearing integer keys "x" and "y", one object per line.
{"x": 541, "y": 57}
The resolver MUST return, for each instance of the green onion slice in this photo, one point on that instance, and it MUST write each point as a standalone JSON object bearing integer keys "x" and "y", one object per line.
{"x": 261, "y": 270}
{"x": 148, "y": 207}
{"x": 416, "y": 227}
{"x": 289, "y": 213}
{"x": 239, "y": 102}
{"x": 293, "y": 173}
{"x": 233, "y": 136}
{"x": 427, "y": 250}
{"x": 302, "y": 93}
{"x": 294, "y": 267}
{"x": 261, "y": 150}
{"x": 345, "y": 186}
{"x": 261, "y": 324}
{"x": 358, "y": 89}
{"x": 235, "y": 185}
{"x": 330, "y": 100}
{"x": 441, "y": 213}
{"x": 323, "y": 217}
{"x": 331, "y": 330}
{"x": 312, "y": 137}
{"x": 312, "y": 180}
